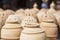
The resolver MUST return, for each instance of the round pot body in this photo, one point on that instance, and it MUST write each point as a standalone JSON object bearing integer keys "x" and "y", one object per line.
{"x": 32, "y": 34}
{"x": 51, "y": 29}
{"x": 11, "y": 31}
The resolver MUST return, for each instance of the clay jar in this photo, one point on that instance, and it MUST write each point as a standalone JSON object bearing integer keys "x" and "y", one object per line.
{"x": 20, "y": 13}
{"x": 12, "y": 28}
{"x": 51, "y": 30}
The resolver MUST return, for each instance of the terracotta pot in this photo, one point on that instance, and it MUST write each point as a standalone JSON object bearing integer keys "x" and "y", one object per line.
{"x": 51, "y": 29}
{"x": 12, "y": 28}
{"x": 32, "y": 34}
{"x": 29, "y": 21}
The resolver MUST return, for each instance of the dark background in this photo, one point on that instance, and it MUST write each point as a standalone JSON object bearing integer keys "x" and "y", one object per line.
{"x": 16, "y": 4}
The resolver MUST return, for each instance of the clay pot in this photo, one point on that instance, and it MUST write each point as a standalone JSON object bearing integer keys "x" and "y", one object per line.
{"x": 20, "y": 13}
{"x": 12, "y": 28}
{"x": 51, "y": 29}
{"x": 33, "y": 34}
{"x": 29, "y": 21}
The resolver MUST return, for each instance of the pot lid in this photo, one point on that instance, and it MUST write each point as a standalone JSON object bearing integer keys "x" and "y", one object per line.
{"x": 20, "y": 11}
{"x": 13, "y": 19}
{"x": 9, "y": 11}
{"x": 52, "y": 5}
{"x": 45, "y": 24}
{"x": 27, "y": 12}
{"x": 11, "y": 26}
{"x": 29, "y": 20}
{"x": 48, "y": 20}
{"x": 52, "y": 10}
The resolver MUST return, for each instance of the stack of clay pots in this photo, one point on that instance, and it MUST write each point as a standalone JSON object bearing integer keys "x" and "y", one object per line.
{"x": 48, "y": 23}
{"x": 32, "y": 30}
{"x": 12, "y": 28}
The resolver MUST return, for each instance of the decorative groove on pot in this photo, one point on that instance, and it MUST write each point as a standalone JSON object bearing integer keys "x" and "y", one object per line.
{"x": 51, "y": 29}
{"x": 35, "y": 35}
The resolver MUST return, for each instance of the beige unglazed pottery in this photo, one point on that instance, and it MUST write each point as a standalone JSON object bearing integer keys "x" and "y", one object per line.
{"x": 51, "y": 12}
{"x": 57, "y": 15}
{"x": 0, "y": 27}
{"x": 42, "y": 15}
{"x": 35, "y": 9}
{"x": 29, "y": 12}
{"x": 5, "y": 15}
{"x": 33, "y": 34}
{"x": 29, "y": 21}
{"x": 20, "y": 13}
{"x": 51, "y": 29}
{"x": 2, "y": 16}
{"x": 12, "y": 28}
